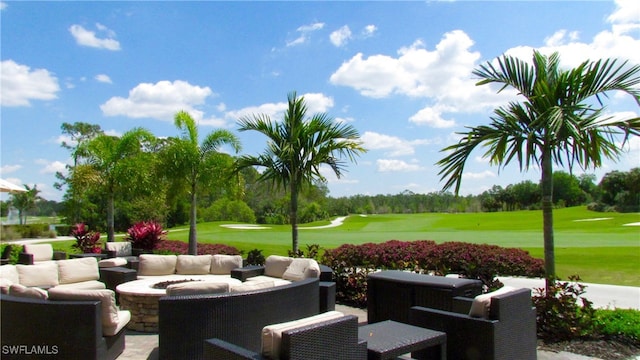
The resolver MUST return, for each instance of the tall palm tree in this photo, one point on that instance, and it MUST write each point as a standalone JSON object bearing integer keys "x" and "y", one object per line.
{"x": 109, "y": 165}
{"x": 192, "y": 163}
{"x": 25, "y": 201}
{"x": 297, "y": 147}
{"x": 561, "y": 121}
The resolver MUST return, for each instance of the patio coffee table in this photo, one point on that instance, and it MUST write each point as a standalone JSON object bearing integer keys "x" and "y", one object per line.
{"x": 390, "y": 339}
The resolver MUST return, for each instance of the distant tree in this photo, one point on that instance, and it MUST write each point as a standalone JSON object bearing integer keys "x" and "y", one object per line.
{"x": 566, "y": 189}
{"x": 587, "y": 183}
{"x": 297, "y": 148}
{"x": 621, "y": 190}
{"x": 557, "y": 123}
{"x": 25, "y": 202}
{"x": 526, "y": 193}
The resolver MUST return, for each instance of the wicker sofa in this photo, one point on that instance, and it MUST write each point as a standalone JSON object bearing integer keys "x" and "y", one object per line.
{"x": 185, "y": 322}
{"x": 493, "y": 326}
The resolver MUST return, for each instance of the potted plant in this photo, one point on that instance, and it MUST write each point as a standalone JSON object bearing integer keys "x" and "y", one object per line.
{"x": 87, "y": 241}
{"x": 145, "y": 236}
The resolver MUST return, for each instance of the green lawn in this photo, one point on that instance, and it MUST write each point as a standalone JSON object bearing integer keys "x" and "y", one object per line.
{"x": 601, "y": 251}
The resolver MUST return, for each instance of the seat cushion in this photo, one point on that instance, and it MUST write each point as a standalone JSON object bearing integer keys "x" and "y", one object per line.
{"x": 276, "y": 265}
{"x": 44, "y": 274}
{"x": 124, "y": 316}
{"x": 106, "y": 297}
{"x": 5, "y": 285}
{"x": 157, "y": 264}
{"x": 193, "y": 264}
{"x": 84, "y": 285}
{"x": 77, "y": 270}
{"x": 272, "y": 334}
{"x": 301, "y": 269}
{"x": 122, "y": 248}
{"x": 28, "y": 292}
{"x": 276, "y": 281}
{"x": 113, "y": 262}
{"x": 40, "y": 252}
{"x": 223, "y": 264}
{"x": 482, "y": 303}
{"x": 9, "y": 272}
{"x": 252, "y": 285}
{"x": 197, "y": 288}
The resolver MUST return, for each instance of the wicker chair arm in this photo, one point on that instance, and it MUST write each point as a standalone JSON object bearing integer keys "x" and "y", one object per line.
{"x": 110, "y": 253}
{"x": 25, "y": 258}
{"x": 220, "y": 349}
{"x": 59, "y": 255}
{"x": 461, "y": 305}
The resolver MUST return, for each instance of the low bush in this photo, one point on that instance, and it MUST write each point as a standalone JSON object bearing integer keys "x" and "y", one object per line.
{"x": 255, "y": 257}
{"x": 619, "y": 324}
{"x": 145, "y": 235}
{"x": 351, "y": 263}
{"x": 86, "y": 241}
{"x": 177, "y": 247}
{"x": 28, "y": 231}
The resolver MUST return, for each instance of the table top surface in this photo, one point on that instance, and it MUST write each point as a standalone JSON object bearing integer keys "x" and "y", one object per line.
{"x": 96, "y": 255}
{"x": 423, "y": 279}
{"x": 393, "y": 338}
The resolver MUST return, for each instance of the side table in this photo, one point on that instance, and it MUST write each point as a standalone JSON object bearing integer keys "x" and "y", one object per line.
{"x": 390, "y": 339}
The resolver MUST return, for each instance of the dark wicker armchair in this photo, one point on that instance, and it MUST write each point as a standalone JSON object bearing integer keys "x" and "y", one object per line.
{"x": 509, "y": 332}
{"x": 33, "y": 253}
{"x": 331, "y": 339}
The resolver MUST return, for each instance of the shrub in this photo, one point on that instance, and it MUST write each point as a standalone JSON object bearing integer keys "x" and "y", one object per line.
{"x": 255, "y": 257}
{"x": 181, "y": 248}
{"x": 86, "y": 241}
{"x": 145, "y": 235}
{"x": 313, "y": 251}
{"x": 620, "y": 324}
{"x": 562, "y": 313}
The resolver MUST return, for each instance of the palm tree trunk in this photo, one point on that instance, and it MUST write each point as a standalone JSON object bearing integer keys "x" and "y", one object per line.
{"x": 110, "y": 211}
{"x": 547, "y": 217}
{"x": 193, "y": 243}
{"x": 293, "y": 215}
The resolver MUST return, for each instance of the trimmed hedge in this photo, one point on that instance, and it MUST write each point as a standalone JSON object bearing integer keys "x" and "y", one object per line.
{"x": 180, "y": 248}
{"x": 352, "y": 263}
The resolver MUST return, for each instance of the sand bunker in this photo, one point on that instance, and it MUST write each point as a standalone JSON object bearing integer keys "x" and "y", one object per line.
{"x": 593, "y": 219}
{"x": 632, "y": 224}
{"x": 245, "y": 227}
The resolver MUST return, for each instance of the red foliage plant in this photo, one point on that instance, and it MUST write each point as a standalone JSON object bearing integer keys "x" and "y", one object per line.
{"x": 145, "y": 235}
{"x": 180, "y": 248}
{"x": 87, "y": 241}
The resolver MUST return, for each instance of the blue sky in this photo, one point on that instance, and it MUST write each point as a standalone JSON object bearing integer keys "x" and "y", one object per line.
{"x": 399, "y": 72}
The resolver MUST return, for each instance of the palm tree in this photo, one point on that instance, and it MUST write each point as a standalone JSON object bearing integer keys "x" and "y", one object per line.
{"x": 111, "y": 166}
{"x": 297, "y": 147}
{"x": 25, "y": 201}
{"x": 193, "y": 163}
{"x": 558, "y": 123}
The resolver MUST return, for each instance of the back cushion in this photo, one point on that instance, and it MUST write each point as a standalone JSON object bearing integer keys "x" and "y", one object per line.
{"x": 482, "y": 303}
{"x": 275, "y": 265}
{"x": 106, "y": 297}
{"x": 9, "y": 272}
{"x": 193, "y": 264}
{"x": 122, "y": 248}
{"x": 272, "y": 334}
{"x": 197, "y": 288}
{"x": 252, "y": 285}
{"x": 41, "y": 252}
{"x": 301, "y": 269}
{"x": 28, "y": 292}
{"x": 223, "y": 264}
{"x": 45, "y": 274}
{"x": 157, "y": 264}
{"x": 77, "y": 270}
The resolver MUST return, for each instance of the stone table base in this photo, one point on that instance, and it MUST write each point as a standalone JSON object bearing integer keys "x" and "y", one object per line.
{"x": 144, "y": 311}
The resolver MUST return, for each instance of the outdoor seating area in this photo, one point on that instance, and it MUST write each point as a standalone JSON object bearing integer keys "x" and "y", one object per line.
{"x": 213, "y": 307}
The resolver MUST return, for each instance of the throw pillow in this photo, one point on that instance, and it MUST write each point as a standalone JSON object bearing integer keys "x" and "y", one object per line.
{"x": 223, "y": 264}
{"x": 193, "y": 264}
{"x": 301, "y": 269}
{"x": 151, "y": 265}
{"x": 44, "y": 274}
{"x": 275, "y": 265}
{"x": 78, "y": 270}
{"x": 482, "y": 303}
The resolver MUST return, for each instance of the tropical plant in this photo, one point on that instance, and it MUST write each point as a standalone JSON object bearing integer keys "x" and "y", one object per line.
{"x": 297, "y": 147}
{"x": 556, "y": 124}
{"x": 194, "y": 164}
{"x": 111, "y": 166}
{"x": 86, "y": 241}
{"x": 25, "y": 201}
{"x": 145, "y": 235}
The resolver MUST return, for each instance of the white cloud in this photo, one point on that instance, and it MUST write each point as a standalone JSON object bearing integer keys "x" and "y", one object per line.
{"x": 20, "y": 84}
{"x": 394, "y": 146}
{"x": 369, "y": 30}
{"x": 305, "y": 31}
{"x": 3, "y": 5}
{"x": 88, "y": 38}
{"x": 51, "y": 167}
{"x": 7, "y": 169}
{"x": 626, "y": 17}
{"x": 160, "y": 101}
{"x": 393, "y": 165}
{"x": 477, "y": 176}
{"x": 341, "y": 36}
{"x": 432, "y": 116}
{"x": 103, "y": 78}
{"x": 316, "y": 103}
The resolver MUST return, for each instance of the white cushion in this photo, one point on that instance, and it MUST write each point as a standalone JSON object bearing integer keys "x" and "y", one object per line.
{"x": 45, "y": 274}
{"x": 106, "y": 297}
{"x": 223, "y": 264}
{"x": 28, "y": 292}
{"x": 83, "y": 285}
{"x": 276, "y": 265}
{"x": 252, "y": 285}
{"x": 77, "y": 270}
{"x": 9, "y": 272}
{"x": 157, "y": 264}
{"x": 124, "y": 316}
{"x": 41, "y": 252}
{"x": 5, "y": 284}
{"x": 193, "y": 264}
{"x": 276, "y": 281}
{"x": 482, "y": 303}
{"x": 113, "y": 262}
{"x": 301, "y": 269}
{"x": 197, "y": 288}
{"x": 122, "y": 248}
{"x": 272, "y": 334}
